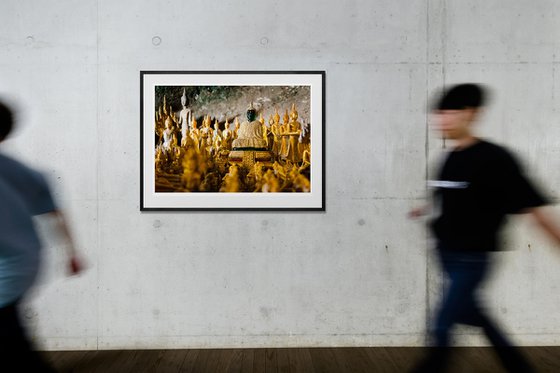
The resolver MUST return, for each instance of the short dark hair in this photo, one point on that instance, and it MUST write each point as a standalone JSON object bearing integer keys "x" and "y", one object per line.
{"x": 6, "y": 121}
{"x": 461, "y": 96}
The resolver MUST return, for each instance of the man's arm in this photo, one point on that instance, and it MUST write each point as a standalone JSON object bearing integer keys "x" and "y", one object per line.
{"x": 75, "y": 264}
{"x": 546, "y": 221}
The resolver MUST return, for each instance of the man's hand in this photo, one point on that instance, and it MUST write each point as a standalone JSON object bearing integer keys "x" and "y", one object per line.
{"x": 417, "y": 212}
{"x": 75, "y": 265}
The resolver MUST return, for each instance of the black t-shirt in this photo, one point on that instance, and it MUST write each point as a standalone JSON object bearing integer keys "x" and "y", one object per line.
{"x": 476, "y": 188}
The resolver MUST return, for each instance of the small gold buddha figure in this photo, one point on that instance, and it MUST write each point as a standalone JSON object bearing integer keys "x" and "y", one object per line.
{"x": 159, "y": 160}
{"x": 301, "y": 184}
{"x": 216, "y": 131}
{"x": 265, "y": 130}
{"x": 236, "y": 127}
{"x": 284, "y": 140}
{"x": 271, "y": 184}
{"x": 292, "y": 152}
{"x": 258, "y": 173}
{"x": 250, "y": 134}
{"x": 203, "y": 141}
{"x": 216, "y": 138}
{"x": 279, "y": 170}
{"x": 191, "y": 175}
{"x": 194, "y": 133}
{"x": 176, "y": 160}
{"x": 270, "y": 133}
{"x": 275, "y": 132}
{"x": 160, "y": 124}
{"x": 231, "y": 183}
{"x": 305, "y": 158}
{"x": 227, "y": 137}
{"x": 168, "y": 135}
{"x": 206, "y": 123}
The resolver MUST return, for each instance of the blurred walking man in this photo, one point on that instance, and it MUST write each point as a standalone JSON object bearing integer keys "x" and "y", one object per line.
{"x": 478, "y": 184}
{"x": 24, "y": 193}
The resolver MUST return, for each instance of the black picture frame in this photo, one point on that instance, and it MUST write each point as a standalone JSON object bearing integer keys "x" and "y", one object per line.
{"x": 154, "y": 199}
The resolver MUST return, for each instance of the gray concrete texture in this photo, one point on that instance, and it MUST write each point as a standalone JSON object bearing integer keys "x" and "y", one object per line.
{"x": 358, "y": 274}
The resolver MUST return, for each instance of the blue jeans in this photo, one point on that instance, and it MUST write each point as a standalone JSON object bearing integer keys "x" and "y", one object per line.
{"x": 466, "y": 272}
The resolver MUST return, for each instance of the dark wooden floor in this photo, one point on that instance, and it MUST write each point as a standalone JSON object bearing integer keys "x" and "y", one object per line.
{"x": 291, "y": 360}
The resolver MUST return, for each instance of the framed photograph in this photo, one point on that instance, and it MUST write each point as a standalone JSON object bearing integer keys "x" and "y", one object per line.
{"x": 232, "y": 140}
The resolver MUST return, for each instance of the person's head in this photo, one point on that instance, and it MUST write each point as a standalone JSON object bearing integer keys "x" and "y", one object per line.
{"x": 6, "y": 121}
{"x": 457, "y": 108}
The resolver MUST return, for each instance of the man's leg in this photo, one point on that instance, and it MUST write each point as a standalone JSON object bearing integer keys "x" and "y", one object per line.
{"x": 15, "y": 349}
{"x": 511, "y": 357}
{"x": 472, "y": 313}
{"x": 465, "y": 273}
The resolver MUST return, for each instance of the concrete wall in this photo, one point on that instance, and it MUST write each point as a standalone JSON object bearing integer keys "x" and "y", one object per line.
{"x": 359, "y": 274}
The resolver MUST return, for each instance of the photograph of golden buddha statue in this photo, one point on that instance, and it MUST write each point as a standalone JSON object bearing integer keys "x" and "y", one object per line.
{"x": 236, "y": 141}
{"x": 232, "y": 139}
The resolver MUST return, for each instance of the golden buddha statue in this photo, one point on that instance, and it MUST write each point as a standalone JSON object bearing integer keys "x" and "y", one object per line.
{"x": 216, "y": 137}
{"x": 191, "y": 177}
{"x": 279, "y": 170}
{"x": 206, "y": 126}
{"x": 301, "y": 184}
{"x": 204, "y": 136}
{"x": 236, "y": 126}
{"x": 284, "y": 141}
{"x": 275, "y": 131}
{"x": 292, "y": 152}
{"x": 305, "y": 157}
{"x": 270, "y": 133}
{"x": 194, "y": 133}
{"x": 168, "y": 135}
{"x": 286, "y": 118}
{"x": 159, "y": 159}
{"x": 254, "y": 176}
{"x": 271, "y": 184}
{"x": 231, "y": 183}
{"x": 264, "y": 130}
{"x": 227, "y": 137}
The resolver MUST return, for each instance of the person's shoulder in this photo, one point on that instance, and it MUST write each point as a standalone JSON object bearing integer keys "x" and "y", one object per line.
{"x": 494, "y": 148}
{"x": 499, "y": 155}
{"x": 9, "y": 163}
{"x": 17, "y": 170}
